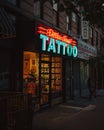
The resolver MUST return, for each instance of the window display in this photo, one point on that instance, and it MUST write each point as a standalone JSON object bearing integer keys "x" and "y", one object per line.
{"x": 42, "y": 76}
{"x": 31, "y": 73}
{"x": 56, "y": 77}
{"x": 45, "y": 83}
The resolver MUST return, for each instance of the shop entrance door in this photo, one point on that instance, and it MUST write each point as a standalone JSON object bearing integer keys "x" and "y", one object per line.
{"x": 69, "y": 80}
{"x": 45, "y": 84}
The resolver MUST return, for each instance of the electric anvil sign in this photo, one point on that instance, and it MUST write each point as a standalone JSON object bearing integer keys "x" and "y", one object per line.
{"x": 55, "y": 42}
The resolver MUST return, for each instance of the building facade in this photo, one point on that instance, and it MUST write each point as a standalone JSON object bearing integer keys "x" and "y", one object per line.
{"x": 46, "y": 49}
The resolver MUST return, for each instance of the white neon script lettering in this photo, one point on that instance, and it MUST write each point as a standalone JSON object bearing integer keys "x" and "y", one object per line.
{"x": 51, "y": 46}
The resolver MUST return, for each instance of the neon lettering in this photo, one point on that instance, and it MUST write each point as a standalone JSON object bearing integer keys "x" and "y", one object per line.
{"x": 44, "y": 39}
{"x": 69, "y": 50}
{"x": 56, "y": 35}
{"x": 75, "y": 51}
{"x": 51, "y": 46}
{"x": 63, "y": 45}
{"x": 58, "y": 46}
{"x": 56, "y": 42}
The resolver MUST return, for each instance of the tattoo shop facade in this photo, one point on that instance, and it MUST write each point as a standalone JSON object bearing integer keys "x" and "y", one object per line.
{"x": 47, "y": 60}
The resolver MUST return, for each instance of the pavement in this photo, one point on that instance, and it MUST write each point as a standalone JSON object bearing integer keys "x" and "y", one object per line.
{"x": 77, "y": 114}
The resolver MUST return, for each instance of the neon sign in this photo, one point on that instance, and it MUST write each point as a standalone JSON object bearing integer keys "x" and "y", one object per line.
{"x": 53, "y": 41}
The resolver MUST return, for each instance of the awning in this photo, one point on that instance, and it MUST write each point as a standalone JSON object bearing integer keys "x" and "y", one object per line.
{"x": 7, "y": 28}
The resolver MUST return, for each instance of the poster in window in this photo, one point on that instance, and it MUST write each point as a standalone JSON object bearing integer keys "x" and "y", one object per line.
{"x": 26, "y": 64}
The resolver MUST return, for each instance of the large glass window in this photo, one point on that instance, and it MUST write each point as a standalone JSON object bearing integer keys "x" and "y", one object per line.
{"x": 30, "y": 73}
{"x": 56, "y": 73}
{"x": 42, "y": 76}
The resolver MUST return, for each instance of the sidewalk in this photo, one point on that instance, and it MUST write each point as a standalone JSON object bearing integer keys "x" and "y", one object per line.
{"x": 100, "y": 92}
{"x": 84, "y": 100}
{"x": 51, "y": 118}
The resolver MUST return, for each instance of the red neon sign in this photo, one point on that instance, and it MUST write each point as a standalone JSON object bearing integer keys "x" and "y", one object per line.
{"x": 55, "y": 34}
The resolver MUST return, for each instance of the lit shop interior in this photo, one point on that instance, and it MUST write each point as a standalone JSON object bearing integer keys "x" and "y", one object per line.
{"x": 42, "y": 76}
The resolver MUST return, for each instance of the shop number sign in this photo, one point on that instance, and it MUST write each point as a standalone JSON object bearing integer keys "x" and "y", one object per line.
{"x": 55, "y": 42}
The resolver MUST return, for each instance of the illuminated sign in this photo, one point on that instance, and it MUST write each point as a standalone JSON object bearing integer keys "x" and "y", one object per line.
{"x": 55, "y": 42}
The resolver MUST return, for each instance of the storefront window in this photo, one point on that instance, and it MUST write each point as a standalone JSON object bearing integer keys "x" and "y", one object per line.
{"x": 45, "y": 79}
{"x": 56, "y": 77}
{"x": 42, "y": 76}
{"x": 31, "y": 73}
{"x": 51, "y": 78}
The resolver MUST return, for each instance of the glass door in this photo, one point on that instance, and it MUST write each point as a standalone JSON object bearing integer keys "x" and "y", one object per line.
{"x": 50, "y": 79}
{"x": 56, "y": 74}
{"x": 44, "y": 76}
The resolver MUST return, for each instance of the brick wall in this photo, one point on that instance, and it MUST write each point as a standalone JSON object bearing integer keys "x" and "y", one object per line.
{"x": 74, "y": 28}
{"x": 47, "y": 12}
{"x": 27, "y": 7}
{"x": 62, "y": 21}
{"x": 51, "y": 16}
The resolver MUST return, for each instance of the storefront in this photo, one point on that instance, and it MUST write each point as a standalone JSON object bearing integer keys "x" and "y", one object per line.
{"x": 38, "y": 60}
{"x": 43, "y": 66}
{"x": 87, "y": 68}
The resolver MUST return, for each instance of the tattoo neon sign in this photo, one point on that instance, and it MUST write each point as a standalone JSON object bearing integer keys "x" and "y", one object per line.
{"x": 53, "y": 41}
